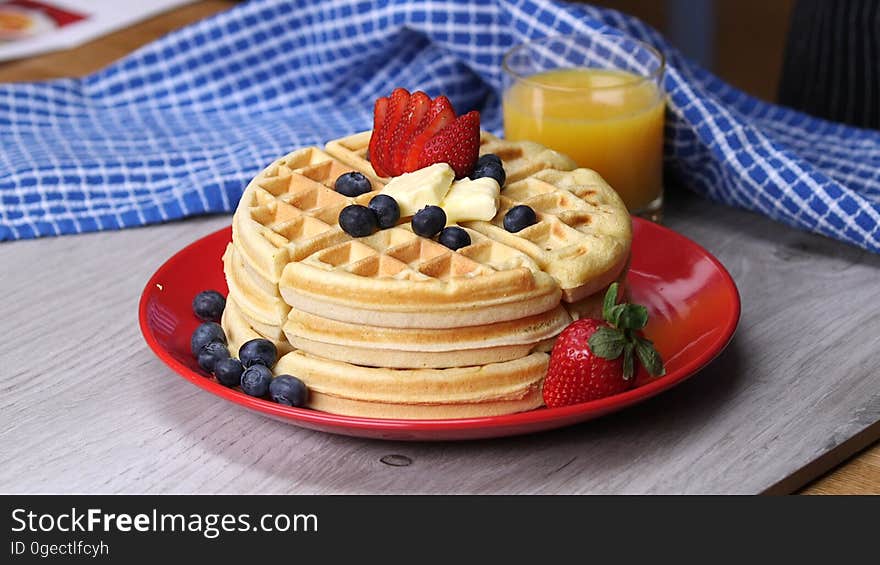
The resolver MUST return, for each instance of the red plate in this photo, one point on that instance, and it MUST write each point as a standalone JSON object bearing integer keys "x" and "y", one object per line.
{"x": 671, "y": 275}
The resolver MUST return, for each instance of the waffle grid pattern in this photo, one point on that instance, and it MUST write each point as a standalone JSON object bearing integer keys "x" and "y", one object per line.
{"x": 579, "y": 215}
{"x": 287, "y": 242}
{"x": 289, "y": 211}
{"x": 446, "y": 333}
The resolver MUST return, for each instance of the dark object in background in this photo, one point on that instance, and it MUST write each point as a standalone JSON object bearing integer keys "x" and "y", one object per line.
{"x": 832, "y": 61}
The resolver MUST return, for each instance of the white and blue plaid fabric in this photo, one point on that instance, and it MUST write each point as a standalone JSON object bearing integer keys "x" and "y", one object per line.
{"x": 180, "y": 126}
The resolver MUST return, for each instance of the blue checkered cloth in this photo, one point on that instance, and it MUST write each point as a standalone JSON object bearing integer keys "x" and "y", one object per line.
{"x": 180, "y": 126}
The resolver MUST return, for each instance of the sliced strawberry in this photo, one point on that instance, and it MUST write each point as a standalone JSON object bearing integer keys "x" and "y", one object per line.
{"x": 412, "y": 122}
{"x": 380, "y": 112}
{"x": 457, "y": 144}
{"x": 397, "y": 105}
{"x": 439, "y": 116}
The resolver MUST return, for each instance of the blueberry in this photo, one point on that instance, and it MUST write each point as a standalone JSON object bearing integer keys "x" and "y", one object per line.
{"x": 428, "y": 221}
{"x": 228, "y": 371}
{"x": 519, "y": 218}
{"x": 386, "y": 209}
{"x": 205, "y": 334}
{"x": 490, "y": 168}
{"x": 211, "y": 353}
{"x": 289, "y": 391}
{"x": 208, "y": 305}
{"x": 454, "y": 238}
{"x": 358, "y": 221}
{"x": 353, "y": 184}
{"x": 255, "y": 380}
{"x": 489, "y": 158}
{"x": 258, "y": 352}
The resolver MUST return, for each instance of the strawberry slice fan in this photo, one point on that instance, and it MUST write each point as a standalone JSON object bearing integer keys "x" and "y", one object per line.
{"x": 412, "y": 131}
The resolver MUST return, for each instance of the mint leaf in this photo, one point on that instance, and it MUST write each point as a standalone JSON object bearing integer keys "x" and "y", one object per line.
{"x": 628, "y": 365}
{"x": 610, "y": 301}
{"x": 607, "y": 343}
{"x": 649, "y": 357}
{"x": 632, "y": 317}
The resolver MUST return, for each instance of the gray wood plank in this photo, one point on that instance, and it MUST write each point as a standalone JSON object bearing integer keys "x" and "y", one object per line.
{"x": 85, "y": 406}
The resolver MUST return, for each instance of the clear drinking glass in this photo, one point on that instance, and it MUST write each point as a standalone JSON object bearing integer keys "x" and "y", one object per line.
{"x": 599, "y": 99}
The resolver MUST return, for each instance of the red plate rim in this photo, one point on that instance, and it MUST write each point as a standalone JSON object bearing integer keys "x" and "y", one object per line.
{"x": 521, "y": 419}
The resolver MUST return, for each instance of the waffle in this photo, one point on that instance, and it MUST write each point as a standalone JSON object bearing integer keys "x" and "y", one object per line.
{"x": 239, "y": 330}
{"x": 424, "y": 348}
{"x": 396, "y": 278}
{"x": 583, "y": 234}
{"x": 339, "y": 387}
{"x": 290, "y": 210}
{"x": 264, "y": 311}
{"x": 591, "y": 306}
{"x": 524, "y": 158}
{"x": 491, "y": 389}
{"x": 396, "y": 325}
{"x": 582, "y": 238}
{"x": 284, "y": 214}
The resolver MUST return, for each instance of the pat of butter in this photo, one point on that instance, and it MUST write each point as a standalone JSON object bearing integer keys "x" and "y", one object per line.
{"x": 413, "y": 191}
{"x": 471, "y": 200}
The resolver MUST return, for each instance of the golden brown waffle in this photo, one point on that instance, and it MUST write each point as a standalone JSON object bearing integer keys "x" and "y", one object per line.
{"x": 264, "y": 310}
{"x": 583, "y": 235}
{"x": 290, "y": 210}
{"x": 423, "y": 348}
{"x": 582, "y": 238}
{"x": 239, "y": 330}
{"x": 342, "y": 388}
{"x": 285, "y": 213}
{"x": 524, "y": 158}
{"x": 396, "y": 278}
{"x": 396, "y": 325}
{"x": 494, "y": 388}
{"x": 352, "y": 151}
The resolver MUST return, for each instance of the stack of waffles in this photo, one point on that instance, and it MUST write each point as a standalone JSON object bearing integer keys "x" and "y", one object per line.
{"x": 395, "y": 325}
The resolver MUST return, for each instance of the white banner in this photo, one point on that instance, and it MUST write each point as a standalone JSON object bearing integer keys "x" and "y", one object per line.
{"x": 31, "y": 27}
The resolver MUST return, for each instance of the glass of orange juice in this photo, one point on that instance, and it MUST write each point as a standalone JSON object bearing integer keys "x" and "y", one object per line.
{"x": 599, "y": 99}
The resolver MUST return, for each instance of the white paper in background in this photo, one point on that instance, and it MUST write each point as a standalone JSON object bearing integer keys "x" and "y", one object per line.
{"x": 31, "y": 27}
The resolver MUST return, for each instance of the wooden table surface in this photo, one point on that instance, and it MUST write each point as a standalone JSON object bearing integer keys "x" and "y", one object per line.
{"x": 89, "y": 409}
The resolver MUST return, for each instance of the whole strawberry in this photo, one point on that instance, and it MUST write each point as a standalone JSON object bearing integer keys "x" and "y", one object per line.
{"x": 597, "y": 358}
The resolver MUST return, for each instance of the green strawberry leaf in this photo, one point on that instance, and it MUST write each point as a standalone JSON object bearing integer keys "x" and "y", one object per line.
{"x": 610, "y": 300}
{"x": 623, "y": 337}
{"x": 607, "y": 343}
{"x": 632, "y": 317}
{"x": 628, "y": 365}
{"x": 614, "y": 314}
{"x": 649, "y": 357}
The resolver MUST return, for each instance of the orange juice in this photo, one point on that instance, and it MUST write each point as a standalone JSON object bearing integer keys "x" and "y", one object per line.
{"x": 607, "y": 120}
